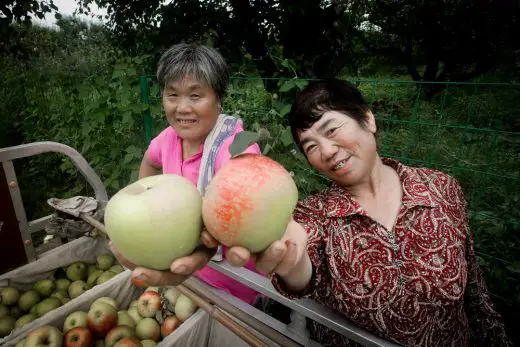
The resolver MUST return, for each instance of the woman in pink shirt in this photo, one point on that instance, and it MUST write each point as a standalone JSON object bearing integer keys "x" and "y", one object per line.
{"x": 193, "y": 80}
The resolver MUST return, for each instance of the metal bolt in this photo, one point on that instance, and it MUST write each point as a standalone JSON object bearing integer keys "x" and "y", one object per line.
{"x": 12, "y": 184}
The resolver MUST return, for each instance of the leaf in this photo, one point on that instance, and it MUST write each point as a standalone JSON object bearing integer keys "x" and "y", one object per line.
{"x": 286, "y": 137}
{"x": 301, "y": 83}
{"x": 285, "y": 110}
{"x": 242, "y": 141}
{"x": 267, "y": 148}
{"x": 514, "y": 267}
{"x": 287, "y": 85}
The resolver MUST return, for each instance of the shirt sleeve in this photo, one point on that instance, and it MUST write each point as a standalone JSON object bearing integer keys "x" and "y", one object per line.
{"x": 156, "y": 146}
{"x": 486, "y": 326}
{"x": 308, "y": 215}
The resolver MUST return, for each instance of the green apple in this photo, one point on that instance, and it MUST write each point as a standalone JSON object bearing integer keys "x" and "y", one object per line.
{"x": 77, "y": 288}
{"x": 118, "y": 333}
{"x": 148, "y": 343}
{"x": 46, "y": 335}
{"x": 93, "y": 277}
{"x": 7, "y": 324}
{"x": 75, "y": 319}
{"x": 28, "y": 318}
{"x": 99, "y": 343}
{"x": 91, "y": 269}
{"x": 123, "y": 318}
{"x": 134, "y": 313}
{"x": 4, "y": 311}
{"x": 47, "y": 305}
{"x": 9, "y": 295}
{"x": 60, "y": 295}
{"x": 148, "y": 329}
{"x": 160, "y": 213}
{"x": 117, "y": 269}
{"x": 77, "y": 271}
{"x": 44, "y": 287}
{"x": 28, "y": 300}
{"x": 105, "y": 261}
{"x": 34, "y": 310}
{"x": 134, "y": 303}
{"x": 184, "y": 307}
{"x": 20, "y": 343}
{"x": 105, "y": 300}
{"x": 62, "y": 284}
{"x": 105, "y": 276}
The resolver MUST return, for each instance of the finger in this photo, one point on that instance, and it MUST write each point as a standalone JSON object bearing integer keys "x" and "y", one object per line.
{"x": 120, "y": 258}
{"x": 288, "y": 262}
{"x": 143, "y": 277}
{"x": 196, "y": 261}
{"x": 208, "y": 240}
{"x": 238, "y": 256}
{"x": 271, "y": 257}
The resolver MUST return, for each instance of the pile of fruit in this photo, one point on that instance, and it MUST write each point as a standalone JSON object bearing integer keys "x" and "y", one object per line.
{"x": 146, "y": 322}
{"x": 18, "y": 308}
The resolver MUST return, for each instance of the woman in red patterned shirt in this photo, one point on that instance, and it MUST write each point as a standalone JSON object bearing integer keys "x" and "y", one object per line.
{"x": 386, "y": 245}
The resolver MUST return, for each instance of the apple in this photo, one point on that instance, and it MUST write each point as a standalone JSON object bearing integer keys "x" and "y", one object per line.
{"x": 171, "y": 294}
{"x": 129, "y": 342}
{"x": 184, "y": 307}
{"x": 105, "y": 261}
{"x": 9, "y": 296}
{"x": 105, "y": 276}
{"x": 60, "y": 295}
{"x": 92, "y": 278}
{"x": 134, "y": 303}
{"x": 152, "y": 289}
{"x": 169, "y": 325}
{"x": 123, "y": 318}
{"x": 44, "y": 287}
{"x": 148, "y": 343}
{"x": 77, "y": 288}
{"x": 34, "y": 310}
{"x": 99, "y": 343}
{"x": 77, "y": 337}
{"x": 4, "y": 311}
{"x": 46, "y": 335}
{"x": 149, "y": 304}
{"x": 118, "y": 333}
{"x": 101, "y": 318}
{"x": 28, "y": 300}
{"x": 148, "y": 329}
{"x": 7, "y": 324}
{"x": 162, "y": 213}
{"x": 91, "y": 269}
{"x": 75, "y": 319}
{"x": 134, "y": 313}
{"x": 106, "y": 300}
{"x": 62, "y": 284}
{"x": 117, "y": 269}
{"x": 47, "y": 305}
{"x": 77, "y": 271}
{"x": 28, "y": 318}
{"x": 20, "y": 343}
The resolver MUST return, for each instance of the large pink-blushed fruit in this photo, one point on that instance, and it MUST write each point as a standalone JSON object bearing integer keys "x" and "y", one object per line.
{"x": 249, "y": 202}
{"x": 155, "y": 220}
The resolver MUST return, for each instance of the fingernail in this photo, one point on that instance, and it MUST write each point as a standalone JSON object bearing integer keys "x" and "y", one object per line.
{"x": 180, "y": 269}
{"x": 140, "y": 280}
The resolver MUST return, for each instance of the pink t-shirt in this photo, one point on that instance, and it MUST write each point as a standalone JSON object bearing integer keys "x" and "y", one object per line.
{"x": 166, "y": 151}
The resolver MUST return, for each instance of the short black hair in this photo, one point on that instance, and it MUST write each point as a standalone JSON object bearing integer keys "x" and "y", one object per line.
{"x": 322, "y": 96}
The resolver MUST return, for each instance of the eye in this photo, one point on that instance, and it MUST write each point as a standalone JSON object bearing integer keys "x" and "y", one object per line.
{"x": 194, "y": 96}
{"x": 173, "y": 95}
{"x": 310, "y": 148}
{"x": 332, "y": 131}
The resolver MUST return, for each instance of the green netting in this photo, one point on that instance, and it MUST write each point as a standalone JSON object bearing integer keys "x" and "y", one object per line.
{"x": 469, "y": 130}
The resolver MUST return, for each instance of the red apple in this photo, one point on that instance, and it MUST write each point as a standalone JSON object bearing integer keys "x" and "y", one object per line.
{"x": 149, "y": 303}
{"x": 78, "y": 337}
{"x": 129, "y": 342}
{"x": 46, "y": 335}
{"x": 169, "y": 325}
{"x": 101, "y": 318}
{"x": 118, "y": 333}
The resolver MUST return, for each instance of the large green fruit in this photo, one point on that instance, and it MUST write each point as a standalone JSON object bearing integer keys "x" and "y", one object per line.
{"x": 249, "y": 202}
{"x": 155, "y": 220}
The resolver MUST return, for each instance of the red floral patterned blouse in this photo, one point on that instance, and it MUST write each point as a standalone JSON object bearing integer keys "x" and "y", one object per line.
{"x": 416, "y": 285}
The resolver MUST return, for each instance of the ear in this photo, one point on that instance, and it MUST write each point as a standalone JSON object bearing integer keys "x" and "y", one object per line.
{"x": 371, "y": 122}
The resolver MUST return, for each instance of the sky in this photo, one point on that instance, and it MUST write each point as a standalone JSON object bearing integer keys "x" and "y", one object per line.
{"x": 67, "y": 7}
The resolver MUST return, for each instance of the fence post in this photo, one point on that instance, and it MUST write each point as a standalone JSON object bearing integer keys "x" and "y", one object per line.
{"x": 147, "y": 115}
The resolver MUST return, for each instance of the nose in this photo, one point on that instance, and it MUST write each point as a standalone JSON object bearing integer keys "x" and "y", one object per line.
{"x": 328, "y": 150}
{"x": 183, "y": 106}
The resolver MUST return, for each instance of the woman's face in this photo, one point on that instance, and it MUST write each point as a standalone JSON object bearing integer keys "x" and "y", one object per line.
{"x": 340, "y": 148}
{"x": 191, "y": 107}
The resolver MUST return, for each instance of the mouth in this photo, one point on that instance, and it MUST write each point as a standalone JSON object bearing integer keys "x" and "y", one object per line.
{"x": 185, "y": 121}
{"x": 340, "y": 164}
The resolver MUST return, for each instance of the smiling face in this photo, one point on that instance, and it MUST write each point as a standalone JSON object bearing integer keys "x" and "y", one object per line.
{"x": 191, "y": 107}
{"x": 337, "y": 146}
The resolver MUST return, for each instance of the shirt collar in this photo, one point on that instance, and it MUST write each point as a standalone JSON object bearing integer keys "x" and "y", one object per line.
{"x": 416, "y": 192}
